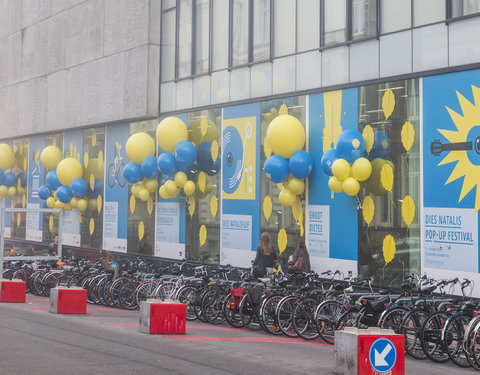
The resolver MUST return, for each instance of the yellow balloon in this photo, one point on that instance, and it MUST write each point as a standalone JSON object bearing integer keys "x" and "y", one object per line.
{"x": 136, "y": 189}
{"x": 189, "y": 187}
{"x": 96, "y": 168}
{"x": 335, "y": 185}
{"x": 285, "y": 135}
{"x": 170, "y": 187}
{"x": 287, "y": 197}
{"x": 180, "y": 179}
{"x": 50, "y": 202}
{"x": 163, "y": 192}
{"x": 296, "y": 185}
{"x": 341, "y": 169}
{"x": 51, "y": 156}
{"x": 143, "y": 194}
{"x": 82, "y": 204}
{"x": 11, "y": 191}
{"x": 281, "y": 185}
{"x": 170, "y": 131}
{"x": 361, "y": 169}
{"x": 7, "y": 156}
{"x": 58, "y": 204}
{"x": 195, "y": 132}
{"x": 92, "y": 205}
{"x": 74, "y": 202}
{"x": 351, "y": 186}
{"x": 3, "y": 191}
{"x": 151, "y": 185}
{"x": 68, "y": 170}
{"x": 139, "y": 146}
{"x": 67, "y": 207}
{"x": 374, "y": 184}
{"x": 208, "y": 188}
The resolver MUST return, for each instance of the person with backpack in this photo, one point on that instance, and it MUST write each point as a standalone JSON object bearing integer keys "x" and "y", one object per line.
{"x": 266, "y": 256}
{"x": 300, "y": 260}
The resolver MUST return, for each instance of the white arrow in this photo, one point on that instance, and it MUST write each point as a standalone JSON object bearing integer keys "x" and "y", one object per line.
{"x": 380, "y": 357}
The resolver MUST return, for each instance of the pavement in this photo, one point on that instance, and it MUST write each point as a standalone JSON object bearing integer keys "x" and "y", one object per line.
{"x": 107, "y": 341}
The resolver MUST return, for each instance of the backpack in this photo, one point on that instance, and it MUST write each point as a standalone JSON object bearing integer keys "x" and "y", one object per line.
{"x": 297, "y": 266}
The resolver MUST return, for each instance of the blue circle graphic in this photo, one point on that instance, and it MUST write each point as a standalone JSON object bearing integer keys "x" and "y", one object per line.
{"x": 382, "y": 355}
{"x": 232, "y": 159}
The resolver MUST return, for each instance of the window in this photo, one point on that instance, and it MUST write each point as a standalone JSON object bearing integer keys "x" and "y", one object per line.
{"x": 284, "y": 32}
{"x": 459, "y": 8}
{"x": 334, "y": 21}
{"x": 168, "y": 43}
{"x": 308, "y": 14}
{"x": 184, "y": 43}
{"x": 249, "y": 31}
{"x": 20, "y": 147}
{"x": 363, "y": 19}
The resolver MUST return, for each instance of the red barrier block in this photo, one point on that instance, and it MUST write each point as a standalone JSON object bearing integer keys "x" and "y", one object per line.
{"x": 13, "y": 291}
{"x": 68, "y": 300}
{"x": 164, "y": 318}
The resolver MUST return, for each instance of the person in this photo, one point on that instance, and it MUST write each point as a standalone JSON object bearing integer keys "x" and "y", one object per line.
{"x": 53, "y": 247}
{"x": 266, "y": 256}
{"x": 144, "y": 247}
{"x": 109, "y": 262}
{"x": 301, "y": 251}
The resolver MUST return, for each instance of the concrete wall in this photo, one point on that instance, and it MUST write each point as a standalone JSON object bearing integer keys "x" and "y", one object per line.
{"x": 70, "y": 63}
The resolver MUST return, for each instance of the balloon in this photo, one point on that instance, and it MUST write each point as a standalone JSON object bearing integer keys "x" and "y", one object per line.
{"x": 286, "y": 197}
{"x": 58, "y": 204}
{"x": 139, "y": 146}
{"x": 97, "y": 187}
{"x": 68, "y": 170}
{"x": 7, "y": 156}
{"x": 185, "y": 154}
{"x": 11, "y": 191}
{"x": 381, "y": 145}
{"x": 276, "y": 168}
{"x": 335, "y": 185}
{"x": 132, "y": 172}
{"x": 170, "y": 187}
{"x": 44, "y": 192}
{"x": 143, "y": 194}
{"x": 351, "y": 186}
{"x": 96, "y": 168}
{"x": 350, "y": 145}
{"x": 170, "y": 131}
{"x": 20, "y": 191}
{"x": 374, "y": 184}
{"x": 285, "y": 135}
{"x": 189, "y": 188}
{"x": 22, "y": 176}
{"x": 149, "y": 167}
{"x": 64, "y": 194}
{"x": 361, "y": 169}
{"x": 67, "y": 207}
{"x": 92, "y": 205}
{"x": 78, "y": 187}
{"x": 166, "y": 163}
{"x": 296, "y": 185}
{"x": 50, "y": 202}
{"x": 136, "y": 189}
{"x": 9, "y": 179}
{"x": 51, "y": 156}
{"x": 180, "y": 179}
{"x": 341, "y": 169}
{"x": 204, "y": 156}
{"x": 300, "y": 164}
{"x": 74, "y": 202}
{"x": 328, "y": 158}
{"x": 52, "y": 180}
{"x": 151, "y": 185}
{"x": 82, "y": 204}
{"x": 215, "y": 169}
{"x": 195, "y": 132}
{"x": 163, "y": 192}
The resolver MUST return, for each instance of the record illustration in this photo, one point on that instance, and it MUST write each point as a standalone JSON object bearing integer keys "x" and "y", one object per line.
{"x": 232, "y": 159}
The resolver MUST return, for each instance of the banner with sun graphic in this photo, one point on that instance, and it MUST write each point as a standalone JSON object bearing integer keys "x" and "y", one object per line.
{"x": 451, "y": 165}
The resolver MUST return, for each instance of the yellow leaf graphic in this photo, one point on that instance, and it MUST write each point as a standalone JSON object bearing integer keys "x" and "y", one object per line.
{"x": 25, "y": 164}
{"x": 368, "y": 137}
{"x": 80, "y": 219}
{"x": 50, "y": 223}
{"x": 100, "y": 157}
{"x": 143, "y": 128}
{"x": 386, "y": 177}
{"x": 36, "y": 156}
{"x": 99, "y": 203}
{"x": 368, "y": 209}
{"x": 132, "y": 204}
{"x": 214, "y": 150}
{"x": 388, "y": 248}
{"x": 19, "y": 218}
{"x": 388, "y": 103}
{"x": 408, "y": 210}
{"x": 202, "y": 235}
{"x": 282, "y": 240}
{"x": 283, "y": 110}
{"x": 408, "y": 135}
{"x": 19, "y": 184}
{"x": 150, "y": 205}
{"x": 203, "y": 126}
{"x": 202, "y": 181}
{"x": 141, "y": 230}
{"x": 71, "y": 151}
{"x": 85, "y": 160}
{"x": 78, "y": 156}
{"x": 302, "y": 228}
{"x": 94, "y": 138}
{"x": 297, "y": 209}
{"x": 24, "y": 201}
{"x": 267, "y": 207}
{"x": 74, "y": 150}
{"x": 92, "y": 181}
{"x": 267, "y": 149}
{"x": 214, "y": 206}
{"x": 91, "y": 226}
{"x": 191, "y": 205}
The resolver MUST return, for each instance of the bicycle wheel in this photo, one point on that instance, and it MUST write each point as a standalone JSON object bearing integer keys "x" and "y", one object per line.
{"x": 284, "y": 315}
{"x": 187, "y": 295}
{"x": 392, "y": 319}
{"x": 304, "y": 318}
{"x": 326, "y": 316}
{"x": 144, "y": 291}
{"x": 268, "y": 314}
{"x": 212, "y": 306}
{"x": 127, "y": 296}
{"x": 452, "y": 336}
{"x": 231, "y": 311}
{"x": 111, "y": 176}
{"x": 120, "y": 177}
{"x": 431, "y": 337}
{"x": 249, "y": 314}
{"x": 474, "y": 357}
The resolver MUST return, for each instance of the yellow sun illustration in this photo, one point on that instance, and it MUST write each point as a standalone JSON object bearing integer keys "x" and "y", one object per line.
{"x": 467, "y": 137}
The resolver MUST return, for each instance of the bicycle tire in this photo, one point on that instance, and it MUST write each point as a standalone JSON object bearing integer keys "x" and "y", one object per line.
{"x": 303, "y": 318}
{"x": 248, "y": 314}
{"x": 284, "y": 315}
{"x": 212, "y": 303}
{"x": 187, "y": 295}
{"x": 127, "y": 296}
{"x": 268, "y": 314}
{"x": 326, "y": 316}
{"x": 431, "y": 337}
{"x": 393, "y": 318}
{"x": 452, "y": 335}
{"x": 232, "y": 312}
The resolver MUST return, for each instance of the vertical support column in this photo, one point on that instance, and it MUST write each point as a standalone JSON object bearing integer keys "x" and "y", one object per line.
{"x": 2, "y": 239}
{"x": 60, "y": 234}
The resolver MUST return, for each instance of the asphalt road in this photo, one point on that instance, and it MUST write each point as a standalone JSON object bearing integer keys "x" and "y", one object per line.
{"x": 107, "y": 341}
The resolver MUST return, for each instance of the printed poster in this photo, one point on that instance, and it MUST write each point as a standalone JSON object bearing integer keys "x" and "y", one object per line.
{"x": 318, "y": 228}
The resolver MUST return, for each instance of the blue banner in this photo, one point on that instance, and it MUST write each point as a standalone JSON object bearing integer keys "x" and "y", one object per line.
{"x": 36, "y": 178}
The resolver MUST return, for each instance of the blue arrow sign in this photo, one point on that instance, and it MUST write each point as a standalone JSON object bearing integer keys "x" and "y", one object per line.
{"x": 382, "y": 355}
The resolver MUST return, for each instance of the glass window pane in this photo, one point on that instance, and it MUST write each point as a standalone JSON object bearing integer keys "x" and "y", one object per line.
{"x": 166, "y": 4}
{"x": 308, "y": 14}
{"x": 261, "y": 80}
{"x": 240, "y": 32}
{"x": 364, "y": 18}
{"x": 20, "y": 147}
{"x": 240, "y": 84}
{"x": 395, "y": 15}
{"x": 219, "y": 35}
{"x": 185, "y": 39}
{"x": 335, "y": 21}
{"x": 168, "y": 46}
{"x": 464, "y": 7}
{"x": 284, "y": 75}
{"x": 309, "y": 70}
{"x": 184, "y": 94}
{"x": 284, "y": 27}
{"x": 220, "y": 88}
{"x": 428, "y": 11}
{"x": 201, "y": 91}
{"x": 261, "y": 30}
{"x": 430, "y": 47}
{"x": 202, "y": 34}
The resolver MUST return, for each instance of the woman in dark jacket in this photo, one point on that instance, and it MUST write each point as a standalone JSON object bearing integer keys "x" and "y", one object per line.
{"x": 301, "y": 251}
{"x": 266, "y": 256}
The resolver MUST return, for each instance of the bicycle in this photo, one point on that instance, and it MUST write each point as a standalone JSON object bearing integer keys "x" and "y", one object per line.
{"x": 115, "y": 169}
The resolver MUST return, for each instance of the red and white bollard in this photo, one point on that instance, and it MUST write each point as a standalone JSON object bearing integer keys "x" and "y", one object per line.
{"x": 65, "y": 300}
{"x": 13, "y": 291}
{"x": 162, "y": 317}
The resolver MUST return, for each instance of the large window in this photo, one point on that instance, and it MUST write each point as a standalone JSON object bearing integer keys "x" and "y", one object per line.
{"x": 334, "y": 21}
{"x": 168, "y": 41}
{"x": 363, "y": 19}
{"x": 460, "y": 8}
{"x": 20, "y": 168}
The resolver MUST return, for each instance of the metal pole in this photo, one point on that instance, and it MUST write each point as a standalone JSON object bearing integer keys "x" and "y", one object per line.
{"x": 60, "y": 234}
{"x": 2, "y": 239}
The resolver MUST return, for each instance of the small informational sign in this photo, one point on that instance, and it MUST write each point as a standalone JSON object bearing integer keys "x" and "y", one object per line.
{"x": 318, "y": 230}
{"x": 382, "y": 355}
{"x": 237, "y": 232}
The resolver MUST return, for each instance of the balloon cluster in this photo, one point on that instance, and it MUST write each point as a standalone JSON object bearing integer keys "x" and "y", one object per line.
{"x": 290, "y": 165}
{"x": 66, "y": 187}
{"x": 10, "y": 184}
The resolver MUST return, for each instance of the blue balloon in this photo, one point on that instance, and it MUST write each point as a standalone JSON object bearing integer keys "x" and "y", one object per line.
{"x": 166, "y": 163}
{"x": 350, "y": 145}
{"x": 22, "y": 176}
{"x": 149, "y": 167}
{"x": 132, "y": 172}
{"x": 52, "y": 180}
{"x": 215, "y": 169}
{"x": 380, "y": 147}
{"x": 300, "y": 164}
{"x": 9, "y": 179}
{"x": 78, "y": 187}
{"x": 44, "y": 192}
{"x": 204, "y": 156}
{"x": 98, "y": 187}
{"x": 276, "y": 168}
{"x": 64, "y": 194}
{"x": 328, "y": 159}
{"x": 185, "y": 154}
